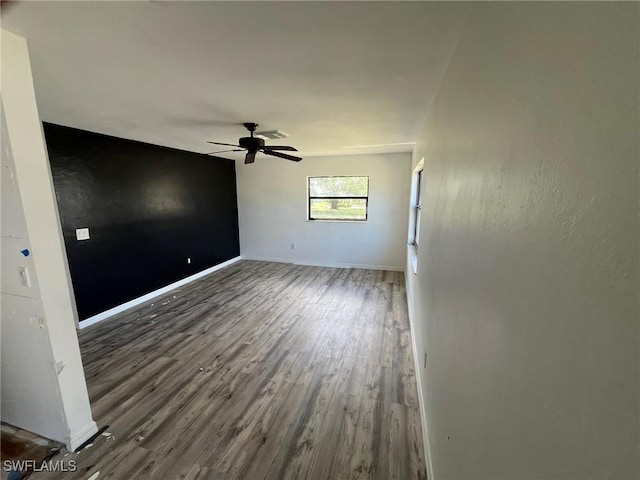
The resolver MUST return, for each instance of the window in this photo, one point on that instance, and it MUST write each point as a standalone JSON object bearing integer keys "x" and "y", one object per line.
{"x": 417, "y": 192}
{"x": 418, "y": 209}
{"x": 338, "y": 198}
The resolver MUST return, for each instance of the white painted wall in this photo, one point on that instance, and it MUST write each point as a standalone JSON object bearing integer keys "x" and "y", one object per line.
{"x": 25, "y": 350}
{"x": 43, "y": 387}
{"x": 526, "y": 296}
{"x": 272, "y": 210}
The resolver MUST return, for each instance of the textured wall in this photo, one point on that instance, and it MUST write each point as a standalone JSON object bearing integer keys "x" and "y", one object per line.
{"x": 148, "y": 210}
{"x": 272, "y": 202}
{"x": 526, "y": 296}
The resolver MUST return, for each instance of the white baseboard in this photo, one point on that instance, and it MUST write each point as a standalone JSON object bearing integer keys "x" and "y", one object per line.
{"x": 418, "y": 368}
{"x": 81, "y": 436}
{"x": 161, "y": 291}
{"x": 313, "y": 263}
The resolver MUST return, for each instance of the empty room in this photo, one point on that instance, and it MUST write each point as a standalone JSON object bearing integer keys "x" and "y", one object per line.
{"x": 320, "y": 240}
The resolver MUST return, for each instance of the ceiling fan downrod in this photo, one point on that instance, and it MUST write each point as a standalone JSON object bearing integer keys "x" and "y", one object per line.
{"x": 251, "y": 127}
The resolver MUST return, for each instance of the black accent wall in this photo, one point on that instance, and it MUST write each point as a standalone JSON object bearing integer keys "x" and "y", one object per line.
{"x": 148, "y": 208}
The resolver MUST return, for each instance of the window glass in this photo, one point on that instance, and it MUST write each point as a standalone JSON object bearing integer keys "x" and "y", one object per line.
{"x": 338, "y": 198}
{"x": 418, "y": 210}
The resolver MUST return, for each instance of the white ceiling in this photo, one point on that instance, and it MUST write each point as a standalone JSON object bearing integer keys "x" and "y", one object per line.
{"x": 330, "y": 74}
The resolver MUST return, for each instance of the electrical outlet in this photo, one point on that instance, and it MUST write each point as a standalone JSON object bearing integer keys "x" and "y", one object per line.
{"x": 188, "y": 259}
{"x": 293, "y": 246}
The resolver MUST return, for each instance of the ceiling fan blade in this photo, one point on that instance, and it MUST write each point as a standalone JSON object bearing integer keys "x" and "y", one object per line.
{"x": 224, "y": 151}
{"x": 250, "y": 157}
{"x": 225, "y": 144}
{"x": 280, "y": 147}
{"x": 282, "y": 155}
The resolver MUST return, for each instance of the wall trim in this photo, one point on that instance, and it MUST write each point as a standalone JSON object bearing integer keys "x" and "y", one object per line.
{"x": 418, "y": 368}
{"x": 161, "y": 291}
{"x": 81, "y": 436}
{"x": 312, "y": 263}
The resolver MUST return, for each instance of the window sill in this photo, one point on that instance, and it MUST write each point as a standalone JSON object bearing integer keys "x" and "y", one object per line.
{"x": 337, "y": 221}
{"x": 413, "y": 257}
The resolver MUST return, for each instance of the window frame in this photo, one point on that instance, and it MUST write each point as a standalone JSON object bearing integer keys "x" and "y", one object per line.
{"x": 315, "y": 197}
{"x": 417, "y": 213}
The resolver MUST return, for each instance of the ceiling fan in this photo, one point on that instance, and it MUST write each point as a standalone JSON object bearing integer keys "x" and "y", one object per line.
{"x": 254, "y": 145}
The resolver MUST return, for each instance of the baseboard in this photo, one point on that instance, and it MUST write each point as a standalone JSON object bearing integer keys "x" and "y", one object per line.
{"x": 81, "y": 436}
{"x": 421, "y": 403}
{"x": 149, "y": 296}
{"x": 313, "y": 263}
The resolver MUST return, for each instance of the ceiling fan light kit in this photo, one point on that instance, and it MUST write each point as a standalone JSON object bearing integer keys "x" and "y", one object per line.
{"x": 254, "y": 144}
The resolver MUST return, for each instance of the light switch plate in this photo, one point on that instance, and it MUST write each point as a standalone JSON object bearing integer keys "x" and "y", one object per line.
{"x": 23, "y": 277}
{"x": 82, "y": 233}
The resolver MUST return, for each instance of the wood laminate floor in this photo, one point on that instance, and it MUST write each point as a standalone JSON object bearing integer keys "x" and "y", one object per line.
{"x": 19, "y": 446}
{"x": 258, "y": 371}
